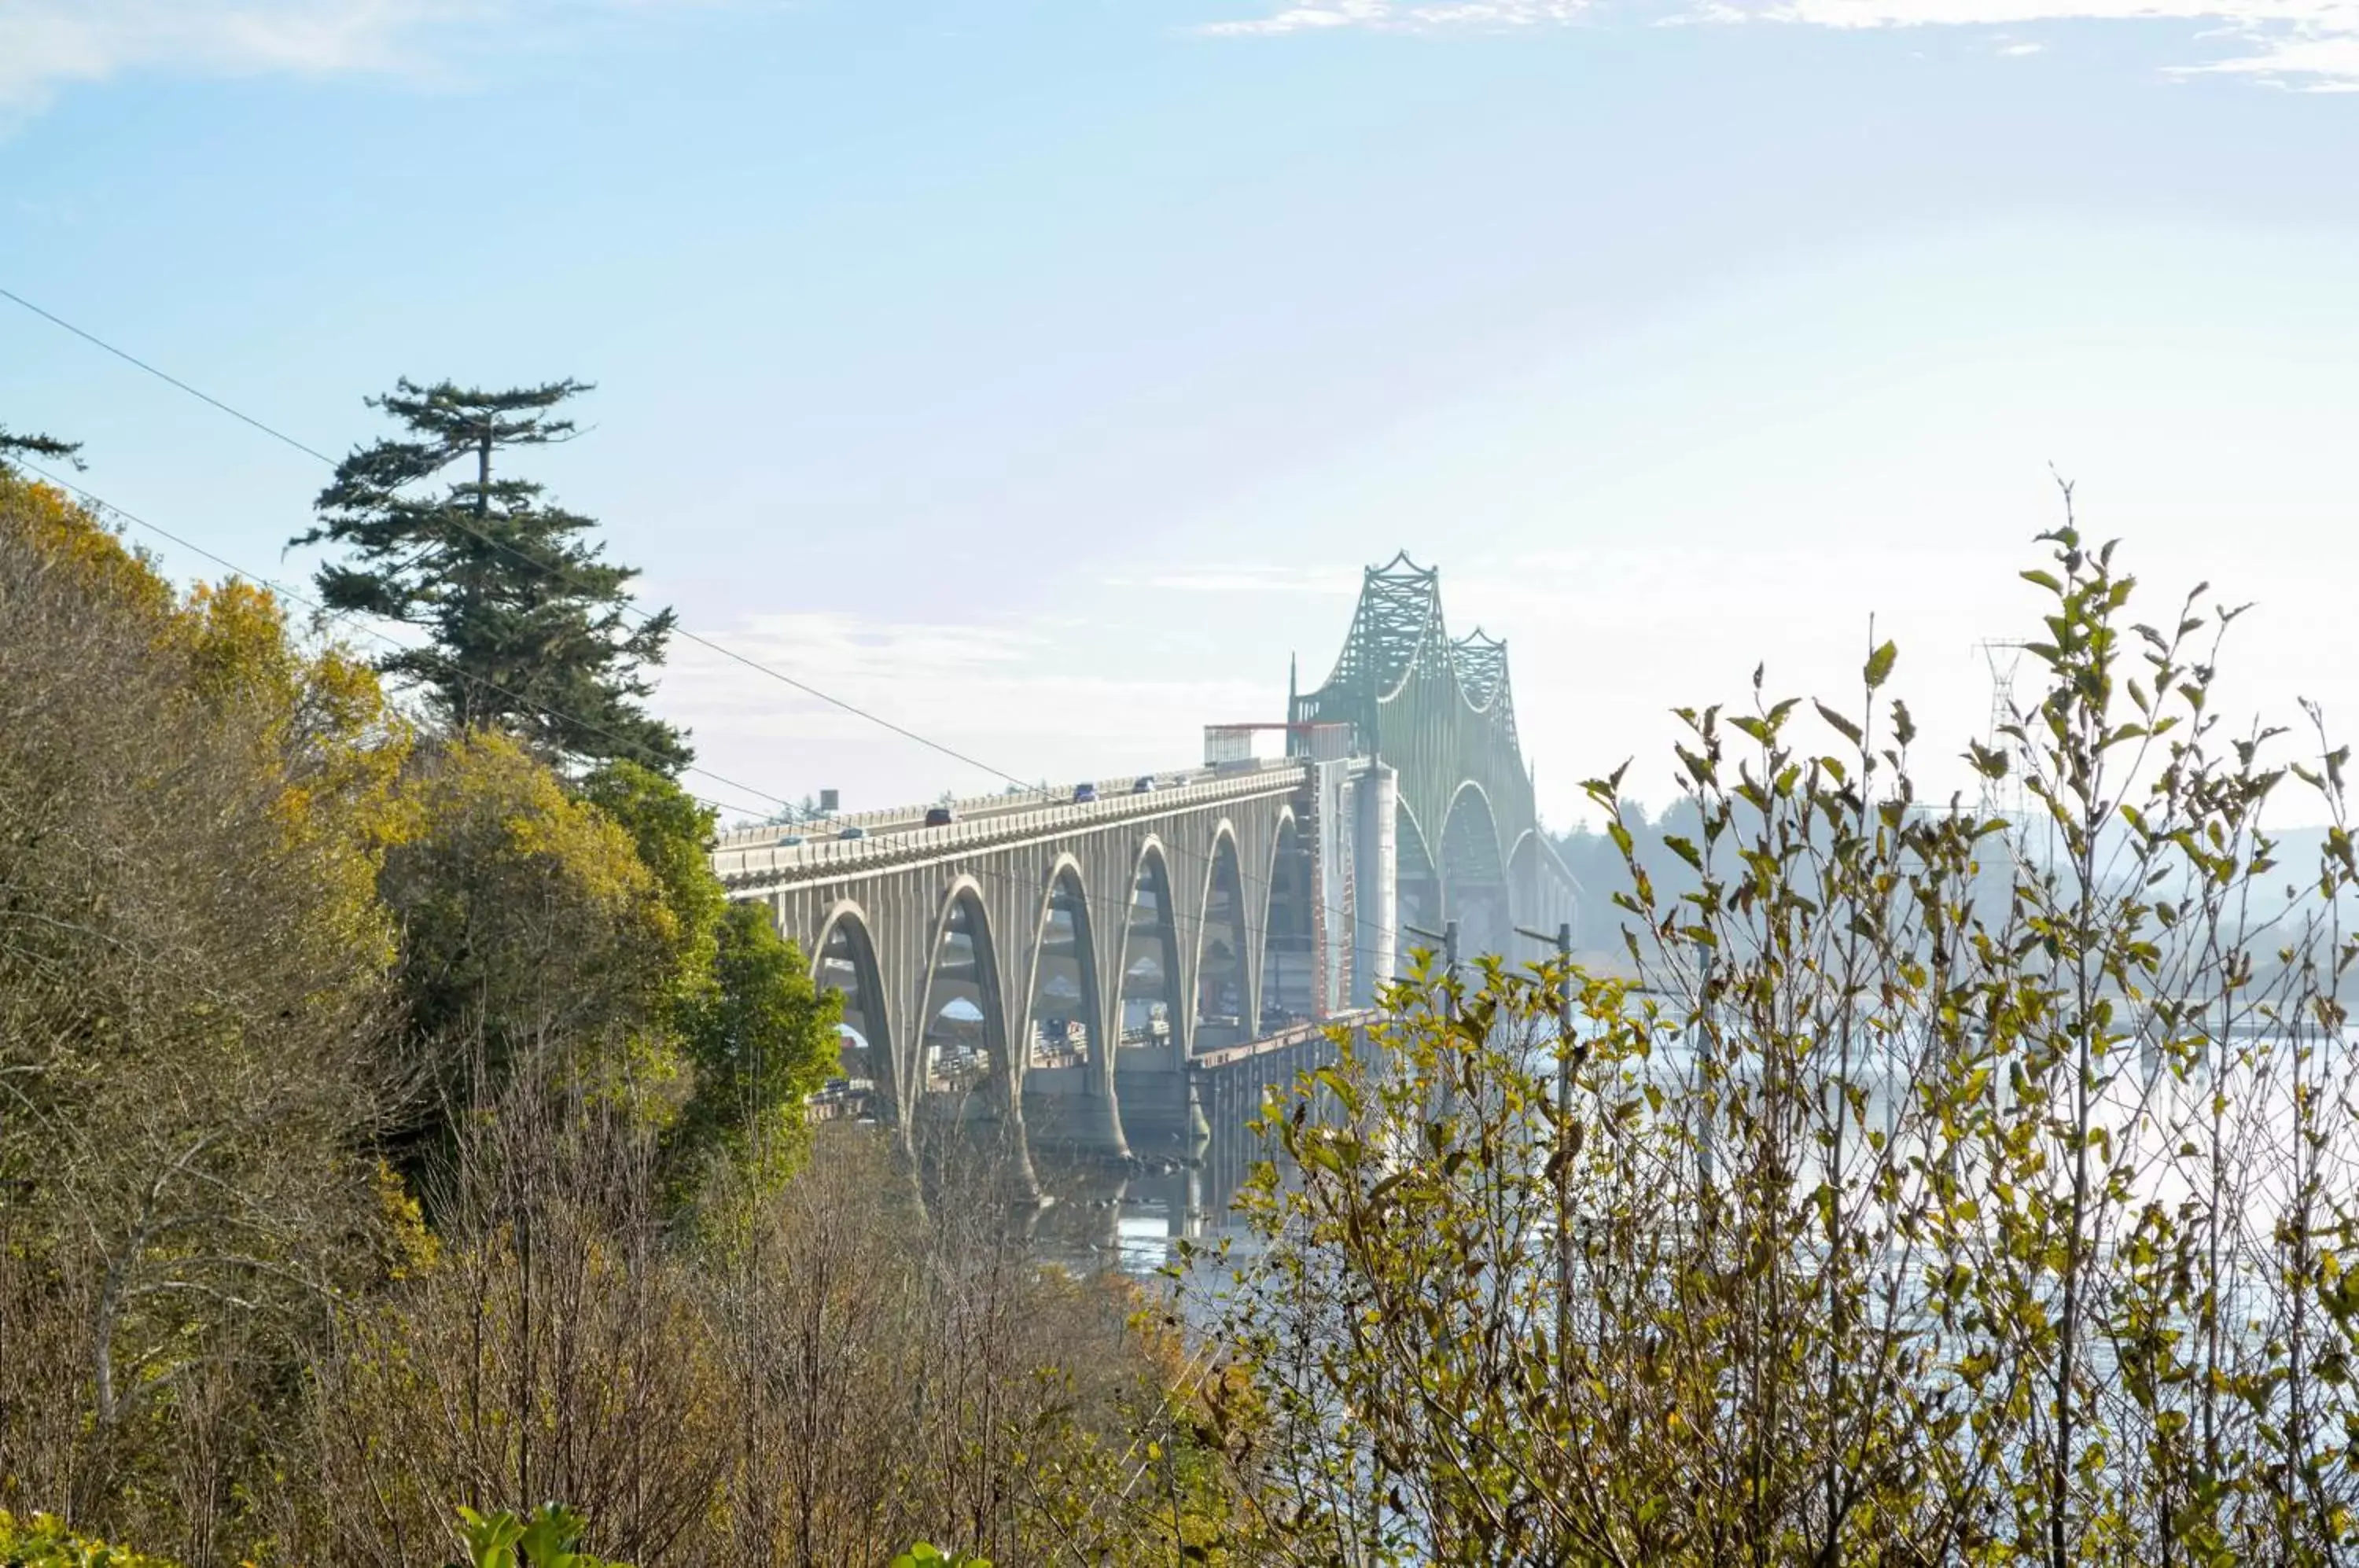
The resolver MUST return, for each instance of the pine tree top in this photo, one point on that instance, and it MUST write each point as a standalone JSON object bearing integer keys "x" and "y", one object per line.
{"x": 32, "y": 444}
{"x": 532, "y": 628}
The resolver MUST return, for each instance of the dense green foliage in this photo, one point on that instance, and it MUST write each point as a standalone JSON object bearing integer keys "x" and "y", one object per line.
{"x": 530, "y": 626}
{"x": 762, "y": 1042}
{"x": 389, "y": 1123}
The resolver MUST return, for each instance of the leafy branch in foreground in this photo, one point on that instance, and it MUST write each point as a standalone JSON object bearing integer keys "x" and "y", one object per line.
{"x": 541, "y": 1540}
{"x": 1953, "y": 1187}
{"x": 924, "y": 1555}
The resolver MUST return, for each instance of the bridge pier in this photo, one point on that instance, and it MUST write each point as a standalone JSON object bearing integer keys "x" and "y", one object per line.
{"x": 1071, "y": 1109}
{"x": 1181, "y": 1193}
{"x": 1151, "y": 1084}
{"x": 979, "y": 1132}
{"x": 1375, "y": 921}
{"x": 1231, "y": 1084}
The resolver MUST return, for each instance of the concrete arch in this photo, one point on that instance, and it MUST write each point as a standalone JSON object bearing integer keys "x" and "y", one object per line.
{"x": 1474, "y": 876}
{"x": 1067, "y": 1071}
{"x": 1151, "y": 1010}
{"x": 1140, "y": 862}
{"x": 1150, "y": 937}
{"x": 1417, "y": 876}
{"x": 1289, "y": 978}
{"x": 1221, "y": 997}
{"x": 1064, "y": 984}
{"x": 1285, "y": 822}
{"x": 954, "y": 1054}
{"x": 1526, "y": 895}
{"x": 1468, "y": 798}
{"x": 844, "y": 960}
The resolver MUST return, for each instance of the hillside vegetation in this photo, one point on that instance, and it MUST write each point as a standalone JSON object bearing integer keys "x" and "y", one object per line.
{"x": 391, "y": 1121}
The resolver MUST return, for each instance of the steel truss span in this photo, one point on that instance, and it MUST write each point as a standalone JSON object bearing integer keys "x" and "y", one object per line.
{"x": 1441, "y": 713}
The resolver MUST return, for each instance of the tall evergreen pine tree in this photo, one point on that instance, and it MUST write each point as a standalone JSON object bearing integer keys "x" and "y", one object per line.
{"x": 527, "y": 620}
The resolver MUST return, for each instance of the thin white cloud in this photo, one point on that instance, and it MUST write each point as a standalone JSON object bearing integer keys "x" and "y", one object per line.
{"x": 2336, "y": 14}
{"x": 2322, "y": 62}
{"x": 1405, "y": 16}
{"x": 2311, "y": 44}
{"x": 48, "y": 45}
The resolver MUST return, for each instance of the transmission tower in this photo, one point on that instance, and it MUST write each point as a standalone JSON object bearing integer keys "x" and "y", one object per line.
{"x": 2002, "y": 657}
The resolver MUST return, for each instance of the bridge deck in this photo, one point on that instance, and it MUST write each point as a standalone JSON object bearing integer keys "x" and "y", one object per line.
{"x": 1283, "y": 1039}
{"x": 896, "y": 819}
{"x": 766, "y": 863}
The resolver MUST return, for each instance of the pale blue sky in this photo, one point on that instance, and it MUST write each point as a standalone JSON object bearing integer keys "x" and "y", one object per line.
{"x": 1041, "y": 372}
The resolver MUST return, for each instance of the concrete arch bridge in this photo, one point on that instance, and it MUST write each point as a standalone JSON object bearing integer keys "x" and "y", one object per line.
{"x": 1089, "y": 972}
{"x": 1058, "y": 967}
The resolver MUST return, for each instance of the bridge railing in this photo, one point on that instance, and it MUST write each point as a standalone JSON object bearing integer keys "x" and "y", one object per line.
{"x": 882, "y": 816}
{"x": 739, "y": 867}
{"x": 1283, "y": 1039}
{"x": 899, "y": 818}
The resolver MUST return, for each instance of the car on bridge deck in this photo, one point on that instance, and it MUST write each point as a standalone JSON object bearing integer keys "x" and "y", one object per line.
{"x": 854, "y": 831}
{"x": 1084, "y": 793}
{"x": 940, "y": 816}
{"x": 1145, "y": 785}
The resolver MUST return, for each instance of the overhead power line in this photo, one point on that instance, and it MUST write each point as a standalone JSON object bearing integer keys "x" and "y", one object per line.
{"x": 1192, "y": 926}
{"x": 1184, "y": 924}
{"x": 102, "y": 504}
{"x": 1246, "y": 877}
{"x": 168, "y": 378}
{"x": 729, "y": 653}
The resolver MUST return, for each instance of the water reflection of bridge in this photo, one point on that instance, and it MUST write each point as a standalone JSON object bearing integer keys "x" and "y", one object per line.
{"x": 1130, "y": 1215}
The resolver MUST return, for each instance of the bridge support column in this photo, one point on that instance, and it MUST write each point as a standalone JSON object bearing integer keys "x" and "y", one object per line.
{"x": 1023, "y": 1181}
{"x": 1375, "y": 854}
{"x": 1072, "y": 1108}
{"x": 1152, "y": 1084}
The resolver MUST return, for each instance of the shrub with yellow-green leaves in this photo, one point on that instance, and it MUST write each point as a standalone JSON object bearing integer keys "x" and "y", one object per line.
{"x": 1973, "y": 1180}
{"x": 42, "y": 1541}
{"x": 192, "y": 1012}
